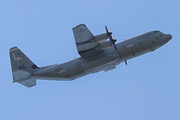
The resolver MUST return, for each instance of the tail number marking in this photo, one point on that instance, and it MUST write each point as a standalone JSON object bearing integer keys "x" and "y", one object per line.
{"x": 22, "y": 67}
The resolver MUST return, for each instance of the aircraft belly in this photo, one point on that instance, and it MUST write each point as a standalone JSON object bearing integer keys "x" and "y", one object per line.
{"x": 106, "y": 67}
{"x": 51, "y": 78}
{"x": 103, "y": 63}
{"x": 74, "y": 70}
{"x": 104, "y": 60}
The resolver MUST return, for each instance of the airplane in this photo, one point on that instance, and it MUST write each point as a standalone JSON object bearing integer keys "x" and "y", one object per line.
{"x": 97, "y": 53}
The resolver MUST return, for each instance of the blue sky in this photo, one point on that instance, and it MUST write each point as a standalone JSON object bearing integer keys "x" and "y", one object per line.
{"x": 146, "y": 89}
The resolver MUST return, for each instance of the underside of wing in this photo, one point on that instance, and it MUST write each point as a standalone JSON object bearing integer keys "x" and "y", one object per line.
{"x": 82, "y": 36}
{"x": 87, "y": 44}
{"x": 82, "y": 33}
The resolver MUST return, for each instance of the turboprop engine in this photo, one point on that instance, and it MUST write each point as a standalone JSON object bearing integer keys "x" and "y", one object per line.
{"x": 99, "y": 38}
{"x": 103, "y": 45}
{"x": 98, "y": 42}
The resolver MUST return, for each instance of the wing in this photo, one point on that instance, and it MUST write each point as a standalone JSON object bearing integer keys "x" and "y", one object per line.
{"x": 82, "y": 33}
{"x": 82, "y": 36}
{"x": 87, "y": 44}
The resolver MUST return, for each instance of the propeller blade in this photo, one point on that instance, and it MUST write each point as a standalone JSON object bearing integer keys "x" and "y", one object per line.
{"x": 110, "y": 37}
{"x": 106, "y": 29}
{"x": 115, "y": 46}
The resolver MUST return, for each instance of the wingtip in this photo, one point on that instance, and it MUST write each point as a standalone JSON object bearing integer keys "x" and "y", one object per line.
{"x": 79, "y": 25}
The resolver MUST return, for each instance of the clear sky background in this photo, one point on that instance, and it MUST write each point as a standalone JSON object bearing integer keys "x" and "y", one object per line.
{"x": 147, "y": 89}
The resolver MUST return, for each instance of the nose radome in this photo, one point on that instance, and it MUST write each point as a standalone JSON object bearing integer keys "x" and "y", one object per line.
{"x": 168, "y": 36}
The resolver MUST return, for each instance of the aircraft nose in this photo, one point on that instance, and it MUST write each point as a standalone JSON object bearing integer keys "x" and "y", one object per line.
{"x": 168, "y": 37}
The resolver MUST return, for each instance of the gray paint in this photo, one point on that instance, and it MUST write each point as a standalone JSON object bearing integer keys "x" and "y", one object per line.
{"x": 98, "y": 60}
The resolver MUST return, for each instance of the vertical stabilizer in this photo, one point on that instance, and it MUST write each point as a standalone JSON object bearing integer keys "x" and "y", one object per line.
{"x": 22, "y": 67}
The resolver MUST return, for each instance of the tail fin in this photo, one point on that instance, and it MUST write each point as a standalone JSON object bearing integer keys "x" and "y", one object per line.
{"x": 22, "y": 67}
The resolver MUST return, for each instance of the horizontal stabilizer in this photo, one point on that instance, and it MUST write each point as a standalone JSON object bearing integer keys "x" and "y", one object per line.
{"x": 20, "y": 74}
{"x": 24, "y": 78}
{"x": 28, "y": 82}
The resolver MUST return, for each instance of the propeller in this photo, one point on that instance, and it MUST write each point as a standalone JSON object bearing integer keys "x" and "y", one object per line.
{"x": 112, "y": 40}
{"x": 110, "y": 37}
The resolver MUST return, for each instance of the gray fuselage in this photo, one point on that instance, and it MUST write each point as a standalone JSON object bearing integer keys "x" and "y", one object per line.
{"x": 105, "y": 60}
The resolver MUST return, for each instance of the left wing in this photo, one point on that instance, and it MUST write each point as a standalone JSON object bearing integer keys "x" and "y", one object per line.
{"x": 88, "y": 44}
{"x": 82, "y": 33}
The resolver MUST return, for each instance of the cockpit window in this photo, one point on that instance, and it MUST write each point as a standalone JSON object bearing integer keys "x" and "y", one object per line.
{"x": 156, "y": 31}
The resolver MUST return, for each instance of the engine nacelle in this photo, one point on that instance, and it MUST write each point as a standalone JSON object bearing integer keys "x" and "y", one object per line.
{"x": 104, "y": 45}
{"x": 87, "y": 46}
{"x": 99, "y": 38}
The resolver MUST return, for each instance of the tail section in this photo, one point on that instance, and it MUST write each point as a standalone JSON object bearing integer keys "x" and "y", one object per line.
{"x": 22, "y": 67}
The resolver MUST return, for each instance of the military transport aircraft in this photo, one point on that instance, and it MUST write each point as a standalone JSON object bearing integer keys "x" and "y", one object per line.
{"x": 96, "y": 54}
